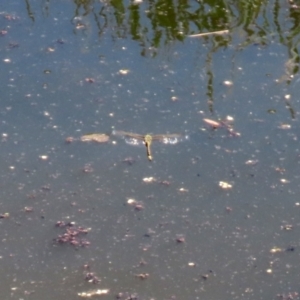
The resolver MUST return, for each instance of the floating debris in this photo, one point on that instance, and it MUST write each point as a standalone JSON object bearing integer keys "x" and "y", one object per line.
{"x": 50, "y": 49}
{"x": 28, "y": 209}
{"x": 80, "y": 26}
{"x": 285, "y": 126}
{"x": 89, "y": 80}
{"x": 230, "y": 118}
{"x": 4, "y": 216}
{"x": 288, "y": 296}
{"x": 276, "y": 250}
{"x": 92, "y": 293}
{"x": 225, "y": 185}
{"x": 220, "y": 32}
{"x": 269, "y": 271}
{"x": 149, "y": 179}
{"x": 95, "y": 137}
{"x": 225, "y": 124}
{"x": 131, "y": 201}
{"x": 280, "y": 170}
{"x": 92, "y": 278}
{"x": 142, "y": 275}
{"x": 228, "y": 82}
{"x": 228, "y": 209}
{"x": 251, "y": 162}
{"x": 165, "y": 182}
{"x": 87, "y": 168}
{"x": 73, "y": 234}
{"x": 287, "y": 227}
{"x": 180, "y": 239}
{"x": 124, "y": 71}
{"x": 137, "y": 205}
{"x": 283, "y": 180}
{"x": 11, "y": 17}
{"x": 213, "y": 123}
{"x": 44, "y": 157}
{"x": 70, "y": 139}
{"x": 205, "y": 276}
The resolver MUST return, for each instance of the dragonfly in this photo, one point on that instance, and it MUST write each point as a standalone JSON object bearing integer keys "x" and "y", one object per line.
{"x": 147, "y": 139}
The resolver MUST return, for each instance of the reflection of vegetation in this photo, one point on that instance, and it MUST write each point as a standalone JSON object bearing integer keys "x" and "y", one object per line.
{"x": 157, "y": 23}
{"x": 29, "y": 12}
{"x": 119, "y": 12}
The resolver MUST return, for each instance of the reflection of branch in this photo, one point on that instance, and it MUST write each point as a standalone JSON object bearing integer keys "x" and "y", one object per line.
{"x": 210, "y": 81}
{"x": 29, "y": 12}
{"x": 209, "y": 33}
{"x": 290, "y": 108}
{"x": 101, "y": 27}
{"x": 292, "y": 64}
{"x": 217, "y": 44}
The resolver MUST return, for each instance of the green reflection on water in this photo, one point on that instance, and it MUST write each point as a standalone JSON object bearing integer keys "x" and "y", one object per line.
{"x": 157, "y": 24}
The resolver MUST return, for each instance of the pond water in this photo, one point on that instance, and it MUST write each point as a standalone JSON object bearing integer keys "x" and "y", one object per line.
{"x": 81, "y": 216}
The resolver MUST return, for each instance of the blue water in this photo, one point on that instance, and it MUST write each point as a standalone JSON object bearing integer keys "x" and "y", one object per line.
{"x": 46, "y": 97}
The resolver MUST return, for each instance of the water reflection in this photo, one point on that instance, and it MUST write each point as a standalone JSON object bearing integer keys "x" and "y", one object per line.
{"x": 155, "y": 25}
{"x": 214, "y": 217}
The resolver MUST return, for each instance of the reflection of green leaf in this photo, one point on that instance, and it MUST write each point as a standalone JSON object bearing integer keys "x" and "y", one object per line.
{"x": 119, "y": 12}
{"x": 158, "y": 23}
{"x": 134, "y": 18}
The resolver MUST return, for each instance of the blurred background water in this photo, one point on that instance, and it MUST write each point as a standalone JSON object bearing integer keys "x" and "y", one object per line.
{"x": 70, "y": 68}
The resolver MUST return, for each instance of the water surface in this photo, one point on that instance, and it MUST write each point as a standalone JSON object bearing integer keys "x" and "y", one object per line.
{"x": 73, "y": 68}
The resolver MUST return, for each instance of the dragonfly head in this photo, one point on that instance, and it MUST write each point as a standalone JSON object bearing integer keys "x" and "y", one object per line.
{"x": 148, "y": 139}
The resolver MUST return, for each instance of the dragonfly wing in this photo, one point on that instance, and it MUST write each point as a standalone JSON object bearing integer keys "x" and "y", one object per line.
{"x": 119, "y": 133}
{"x": 129, "y": 137}
{"x": 133, "y": 141}
{"x": 171, "y": 139}
{"x": 125, "y": 134}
